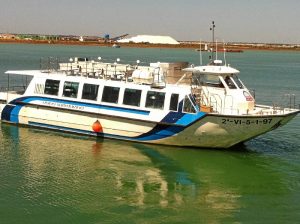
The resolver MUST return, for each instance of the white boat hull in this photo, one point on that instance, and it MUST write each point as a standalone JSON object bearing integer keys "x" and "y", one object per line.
{"x": 216, "y": 131}
{"x": 162, "y": 103}
{"x": 207, "y": 131}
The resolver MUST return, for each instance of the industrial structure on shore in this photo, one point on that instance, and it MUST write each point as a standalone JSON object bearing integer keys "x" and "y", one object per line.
{"x": 149, "y": 39}
{"x": 106, "y": 38}
{"x": 136, "y": 41}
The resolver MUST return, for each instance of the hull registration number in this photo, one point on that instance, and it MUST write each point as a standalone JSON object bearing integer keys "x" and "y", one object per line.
{"x": 247, "y": 122}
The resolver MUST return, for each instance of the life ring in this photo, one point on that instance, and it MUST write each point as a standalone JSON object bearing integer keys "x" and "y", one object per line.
{"x": 97, "y": 127}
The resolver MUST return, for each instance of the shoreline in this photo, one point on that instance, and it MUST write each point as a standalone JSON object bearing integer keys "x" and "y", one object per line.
{"x": 236, "y": 48}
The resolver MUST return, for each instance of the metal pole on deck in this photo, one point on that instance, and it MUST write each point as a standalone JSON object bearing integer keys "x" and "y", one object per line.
{"x": 294, "y": 96}
{"x": 57, "y": 64}
{"x": 26, "y": 81}
{"x": 106, "y": 70}
{"x": 7, "y": 88}
{"x": 213, "y": 39}
{"x": 200, "y": 52}
{"x": 86, "y": 66}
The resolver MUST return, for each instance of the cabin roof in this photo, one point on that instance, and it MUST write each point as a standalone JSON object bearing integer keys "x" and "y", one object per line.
{"x": 210, "y": 69}
{"x": 63, "y": 76}
{"x": 24, "y": 72}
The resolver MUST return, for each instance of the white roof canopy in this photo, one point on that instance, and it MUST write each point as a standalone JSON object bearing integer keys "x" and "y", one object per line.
{"x": 150, "y": 39}
{"x": 210, "y": 69}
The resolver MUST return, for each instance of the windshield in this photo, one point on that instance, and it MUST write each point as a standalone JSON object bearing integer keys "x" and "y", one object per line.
{"x": 238, "y": 81}
{"x": 193, "y": 99}
{"x": 188, "y": 105}
{"x": 211, "y": 80}
{"x": 230, "y": 82}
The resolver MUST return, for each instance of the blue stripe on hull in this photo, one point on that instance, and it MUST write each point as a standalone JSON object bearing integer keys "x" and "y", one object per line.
{"x": 14, "y": 116}
{"x": 62, "y": 128}
{"x": 159, "y": 132}
{"x": 162, "y": 131}
{"x": 11, "y": 113}
{"x": 148, "y": 137}
{"x": 175, "y": 122}
{"x": 79, "y": 131}
{"x": 90, "y": 105}
{"x": 180, "y": 118}
{"x": 6, "y": 112}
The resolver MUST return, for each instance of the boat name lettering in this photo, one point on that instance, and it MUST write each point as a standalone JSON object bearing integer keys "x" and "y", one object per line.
{"x": 63, "y": 105}
{"x": 247, "y": 122}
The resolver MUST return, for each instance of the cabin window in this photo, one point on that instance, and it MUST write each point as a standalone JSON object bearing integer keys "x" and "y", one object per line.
{"x": 188, "y": 106}
{"x": 193, "y": 99}
{"x": 132, "y": 97}
{"x": 110, "y": 94}
{"x": 211, "y": 80}
{"x": 51, "y": 87}
{"x": 238, "y": 82}
{"x": 90, "y": 91}
{"x": 174, "y": 102}
{"x": 155, "y": 100}
{"x": 230, "y": 83}
{"x": 70, "y": 89}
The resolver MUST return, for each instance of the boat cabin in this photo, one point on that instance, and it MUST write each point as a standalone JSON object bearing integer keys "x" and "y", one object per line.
{"x": 111, "y": 93}
{"x": 219, "y": 88}
{"x": 160, "y": 86}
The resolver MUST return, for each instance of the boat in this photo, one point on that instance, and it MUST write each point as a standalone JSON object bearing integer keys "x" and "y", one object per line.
{"x": 116, "y": 46}
{"x": 232, "y": 50}
{"x": 176, "y": 104}
{"x": 223, "y": 50}
{"x": 162, "y": 103}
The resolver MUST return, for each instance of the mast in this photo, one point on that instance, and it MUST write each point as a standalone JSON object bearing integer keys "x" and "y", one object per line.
{"x": 200, "y": 53}
{"x": 212, "y": 28}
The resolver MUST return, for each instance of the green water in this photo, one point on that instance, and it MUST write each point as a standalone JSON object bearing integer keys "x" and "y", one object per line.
{"x": 50, "y": 177}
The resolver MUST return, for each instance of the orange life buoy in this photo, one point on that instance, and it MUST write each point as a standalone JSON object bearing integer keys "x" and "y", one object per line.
{"x": 97, "y": 127}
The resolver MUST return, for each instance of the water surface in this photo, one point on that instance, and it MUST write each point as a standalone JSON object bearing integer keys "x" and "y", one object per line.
{"x": 51, "y": 177}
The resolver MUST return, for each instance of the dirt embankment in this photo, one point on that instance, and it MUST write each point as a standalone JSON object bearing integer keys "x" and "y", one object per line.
{"x": 229, "y": 47}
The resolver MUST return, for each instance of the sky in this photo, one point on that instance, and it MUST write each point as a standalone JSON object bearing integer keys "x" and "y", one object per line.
{"x": 256, "y": 21}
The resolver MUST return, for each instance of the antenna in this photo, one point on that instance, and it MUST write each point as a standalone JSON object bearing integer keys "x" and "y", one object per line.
{"x": 200, "y": 53}
{"x": 224, "y": 52}
{"x": 212, "y": 28}
{"x": 216, "y": 50}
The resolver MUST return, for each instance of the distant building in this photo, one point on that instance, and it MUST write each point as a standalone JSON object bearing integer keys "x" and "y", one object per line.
{"x": 68, "y": 38}
{"x": 89, "y": 38}
{"x": 149, "y": 39}
{"x": 7, "y": 36}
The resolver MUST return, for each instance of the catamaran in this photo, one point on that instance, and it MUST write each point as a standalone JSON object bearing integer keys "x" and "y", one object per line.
{"x": 161, "y": 103}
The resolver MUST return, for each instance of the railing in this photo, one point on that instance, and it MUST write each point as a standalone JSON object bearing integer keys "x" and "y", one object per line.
{"x": 252, "y": 92}
{"x": 17, "y": 89}
{"x": 98, "y": 68}
{"x": 49, "y": 64}
{"x": 227, "y": 104}
{"x": 292, "y": 100}
{"x": 287, "y": 101}
{"x": 217, "y": 104}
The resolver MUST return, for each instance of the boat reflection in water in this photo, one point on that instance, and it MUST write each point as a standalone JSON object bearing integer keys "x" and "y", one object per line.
{"x": 113, "y": 178}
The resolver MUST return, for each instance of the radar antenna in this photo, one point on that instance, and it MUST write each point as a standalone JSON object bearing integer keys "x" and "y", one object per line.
{"x": 212, "y": 28}
{"x": 200, "y": 52}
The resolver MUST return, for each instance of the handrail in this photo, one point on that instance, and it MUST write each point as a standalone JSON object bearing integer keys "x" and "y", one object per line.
{"x": 216, "y": 102}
